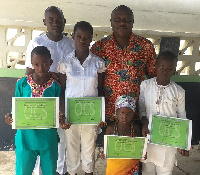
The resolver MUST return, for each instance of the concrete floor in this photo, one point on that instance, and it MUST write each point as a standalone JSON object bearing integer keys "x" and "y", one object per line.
{"x": 186, "y": 165}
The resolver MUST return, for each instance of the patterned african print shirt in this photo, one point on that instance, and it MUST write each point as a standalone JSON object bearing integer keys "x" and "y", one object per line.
{"x": 126, "y": 67}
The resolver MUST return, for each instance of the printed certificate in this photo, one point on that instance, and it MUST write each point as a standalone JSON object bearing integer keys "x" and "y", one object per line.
{"x": 170, "y": 131}
{"x": 35, "y": 113}
{"x": 85, "y": 110}
{"x": 123, "y": 147}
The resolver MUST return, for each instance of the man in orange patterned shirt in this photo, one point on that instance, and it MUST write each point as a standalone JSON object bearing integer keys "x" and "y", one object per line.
{"x": 128, "y": 59}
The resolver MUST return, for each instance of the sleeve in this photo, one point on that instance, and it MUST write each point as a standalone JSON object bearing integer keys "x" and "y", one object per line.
{"x": 142, "y": 106}
{"x": 101, "y": 66}
{"x": 181, "y": 113}
{"x": 150, "y": 66}
{"x": 29, "y": 49}
{"x": 97, "y": 48}
{"x": 18, "y": 89}
{"x": 61, "y": 67}
{"x": 32, "y": 44}
{"x": 57, "y": 89}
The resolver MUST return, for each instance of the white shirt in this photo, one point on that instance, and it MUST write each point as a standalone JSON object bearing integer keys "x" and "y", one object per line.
{"x": 82, "y": 80}
{"x": 161, "y": 100}
{"x": 57, "y": 49}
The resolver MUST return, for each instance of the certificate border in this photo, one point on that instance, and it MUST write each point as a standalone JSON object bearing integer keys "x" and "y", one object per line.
{"x": 102, "y": 109}
{"x": 142, "y": 150}
{"x": 14, "y": 112}
{"x": 187, "y": 140}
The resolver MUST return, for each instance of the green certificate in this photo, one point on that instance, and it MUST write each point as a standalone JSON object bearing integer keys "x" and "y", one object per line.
{"x": 170, "y": 131}
{"x": 85, "y": 110}
{"x": 35, "y": 113}
{"x": 122, "y": 147}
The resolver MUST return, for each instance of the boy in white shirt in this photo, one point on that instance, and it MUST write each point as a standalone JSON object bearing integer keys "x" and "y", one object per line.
{"x": 160, "y": 96}
{"x": 58, "y": 45}
{"x": 82, "y": 73}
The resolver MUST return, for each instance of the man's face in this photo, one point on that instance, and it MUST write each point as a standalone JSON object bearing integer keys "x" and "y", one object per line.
{"x": 55, "y": 22}
{"x": 122, "y": 23}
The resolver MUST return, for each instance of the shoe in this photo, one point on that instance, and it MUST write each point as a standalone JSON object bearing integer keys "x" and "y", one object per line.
{"x": 63, "y": 174}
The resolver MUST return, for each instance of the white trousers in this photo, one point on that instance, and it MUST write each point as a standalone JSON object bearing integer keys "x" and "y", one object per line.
{"x": 61, "y": 164}
{"x": 150, "y": 168}
{"x": 80, "y": 145}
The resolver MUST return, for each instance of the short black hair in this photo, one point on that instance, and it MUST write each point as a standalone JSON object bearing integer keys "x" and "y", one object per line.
{"x": 53, "y": 9}
{"x": 85, "y": 25}
{"x": 41, "y": 50}
{"x": 167, "y": 55}
{"x": 123, "y": 7}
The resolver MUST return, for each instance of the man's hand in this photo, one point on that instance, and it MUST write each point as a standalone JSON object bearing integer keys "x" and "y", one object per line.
{"x": 8, "y": 119}
{"x": 145, "y": 130}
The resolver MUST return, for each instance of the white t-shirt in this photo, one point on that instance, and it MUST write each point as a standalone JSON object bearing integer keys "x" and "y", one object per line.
{"x": 82, "y": 80}
{"x": 166, "y": 101}
{"x": 57, "y": 49}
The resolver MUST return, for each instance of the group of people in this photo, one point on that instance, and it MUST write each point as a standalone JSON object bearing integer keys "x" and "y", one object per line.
{"x": 114, "y": 67}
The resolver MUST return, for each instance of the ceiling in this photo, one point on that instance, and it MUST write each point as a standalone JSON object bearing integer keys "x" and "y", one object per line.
{"x": 150, "y": 15}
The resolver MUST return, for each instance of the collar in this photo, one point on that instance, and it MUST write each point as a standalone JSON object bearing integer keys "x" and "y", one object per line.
{"x": 161, "y": 86}
{"x": 30, "y": 80}
{"x": 131, "y": 39}
{"x": 72, "y": 55}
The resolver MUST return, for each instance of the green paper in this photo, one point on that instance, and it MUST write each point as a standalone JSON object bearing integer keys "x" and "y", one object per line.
{"x": 85, "y": 110}
{"x": 168, "y": 131}
{"x": 119, "y": 147}
{"x": 35, "y": 113}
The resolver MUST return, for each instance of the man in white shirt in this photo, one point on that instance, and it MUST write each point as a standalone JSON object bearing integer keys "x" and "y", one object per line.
{"x": 58, "y": 45}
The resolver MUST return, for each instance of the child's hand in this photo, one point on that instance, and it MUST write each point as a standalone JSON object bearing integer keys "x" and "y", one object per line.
{"x": 145, "y": 156}
{"x": 102, "y": 155}
{"x": 65, "y": 126}
{"x": 8, "y": 119}
{"x": 61, "y": 119}
{"x": 183, "y": 152}
{"x": 102, "y": 124}
{"x": 145, "y": 130}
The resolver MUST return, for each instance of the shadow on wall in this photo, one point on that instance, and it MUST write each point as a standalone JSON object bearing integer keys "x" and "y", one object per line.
{"x": 7, "y": 88}
{"x": 192, "y": 99}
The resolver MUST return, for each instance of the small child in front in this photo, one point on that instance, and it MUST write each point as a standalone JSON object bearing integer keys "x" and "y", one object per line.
{"x": 82, "y": 73}
{"x": 33, "y": 142}
{"x": 124, "y": 126}
{"x": 160, "y": 96}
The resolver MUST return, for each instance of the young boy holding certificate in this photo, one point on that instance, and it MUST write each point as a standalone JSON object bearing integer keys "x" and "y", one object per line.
{"x": 124, "y": 126}
{"x": 33, "y": 142}
{"x": 160, "y": 96}
{"x": 82, "y": 73}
